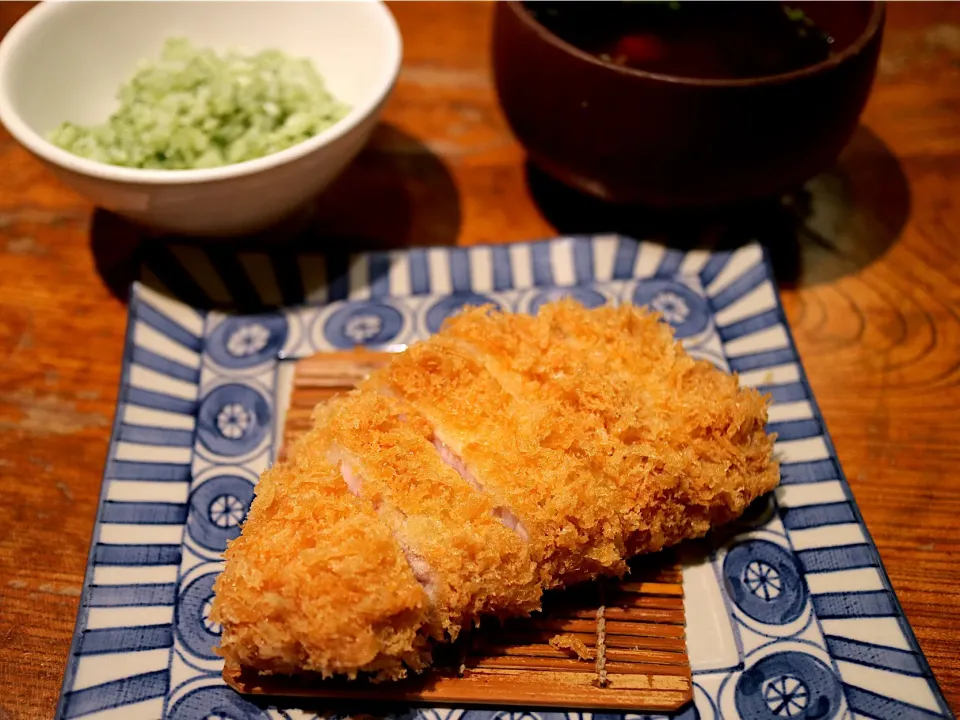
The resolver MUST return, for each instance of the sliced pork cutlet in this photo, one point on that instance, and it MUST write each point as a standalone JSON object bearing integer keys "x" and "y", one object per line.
{"x": 469, "y": 563}
{"x": 684, "y": 443}
{"x": 700, "y": 428}
{"x": 583, "y": 437}
{"x": 316, "y": 581}
{"x": 501, "y": 444}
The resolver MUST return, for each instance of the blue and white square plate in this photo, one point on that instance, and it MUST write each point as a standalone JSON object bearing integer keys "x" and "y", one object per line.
{"x": 791, "y": 615}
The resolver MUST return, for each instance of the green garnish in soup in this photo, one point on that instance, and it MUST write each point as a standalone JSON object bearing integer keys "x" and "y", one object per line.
{"x": 194, "y": 108}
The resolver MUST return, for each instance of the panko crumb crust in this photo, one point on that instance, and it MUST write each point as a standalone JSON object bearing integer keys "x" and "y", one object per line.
{"x": 506, "y": 455}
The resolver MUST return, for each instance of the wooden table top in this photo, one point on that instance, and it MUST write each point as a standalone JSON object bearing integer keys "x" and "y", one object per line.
{"x": 871, "y": 289}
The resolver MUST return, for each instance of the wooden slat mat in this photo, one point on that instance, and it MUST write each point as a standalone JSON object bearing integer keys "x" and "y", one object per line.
{"x": 547, "y": 660}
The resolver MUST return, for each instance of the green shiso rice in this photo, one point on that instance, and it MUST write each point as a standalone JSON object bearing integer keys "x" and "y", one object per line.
{"x": 196, "y": 109}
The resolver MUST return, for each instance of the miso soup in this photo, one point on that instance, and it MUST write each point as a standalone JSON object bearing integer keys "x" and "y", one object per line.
{"x": 731, "y": 40}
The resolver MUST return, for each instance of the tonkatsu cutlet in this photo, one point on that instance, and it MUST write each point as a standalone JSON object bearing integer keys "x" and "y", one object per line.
{"x": 468, "y": 562}
{"x": 510, "y": 449}
{"x": 504, "y": 456}
{"x": 675, "y": 434}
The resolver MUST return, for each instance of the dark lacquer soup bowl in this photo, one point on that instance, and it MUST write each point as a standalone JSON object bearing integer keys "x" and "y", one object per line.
{"x": 634, "y": 136}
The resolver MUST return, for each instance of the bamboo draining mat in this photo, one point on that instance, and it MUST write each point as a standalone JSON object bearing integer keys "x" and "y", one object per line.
{"x": 527, "y": 661}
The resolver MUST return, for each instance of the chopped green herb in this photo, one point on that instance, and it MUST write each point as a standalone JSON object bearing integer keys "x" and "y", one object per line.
{"x": 795, "y": 14}
{"x": 194, "y": 109}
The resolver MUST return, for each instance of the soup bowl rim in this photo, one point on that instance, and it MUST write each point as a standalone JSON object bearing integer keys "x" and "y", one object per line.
{"x": 873, "y": 25}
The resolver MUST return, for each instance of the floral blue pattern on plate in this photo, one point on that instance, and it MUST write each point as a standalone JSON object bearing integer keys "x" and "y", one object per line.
{"x": 790, "y": 613}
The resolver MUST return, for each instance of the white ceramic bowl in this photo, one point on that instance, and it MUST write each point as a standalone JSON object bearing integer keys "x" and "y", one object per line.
{"x": 66, "y": 61}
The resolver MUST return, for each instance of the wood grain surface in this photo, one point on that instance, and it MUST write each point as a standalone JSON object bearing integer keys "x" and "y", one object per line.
{"x": 868, "y": 260}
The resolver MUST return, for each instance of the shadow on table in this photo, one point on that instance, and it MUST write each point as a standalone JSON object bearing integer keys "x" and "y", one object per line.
{"x": 837, "y": 224}
{"x": 396, "y": 194}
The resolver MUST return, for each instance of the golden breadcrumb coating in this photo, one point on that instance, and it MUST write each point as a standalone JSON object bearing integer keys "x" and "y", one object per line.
{"x": 472, "y": 564}
{"x": 685, "y": 443}
{"x": 316, "y": 582}
{"x": 709, "y": 432}
{"x": 570, "y": 517}
{"x": 572, "y": 644}
{"x": 505, "y": 455}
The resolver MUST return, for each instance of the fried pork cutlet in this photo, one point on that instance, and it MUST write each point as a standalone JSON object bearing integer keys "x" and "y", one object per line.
{"x": 685, "y": 446}
{"x": 502, "y": 443}
{"x": 470, "y": 564}
{"x": 504, "y": 456}
{"x": 316, "y": 580}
